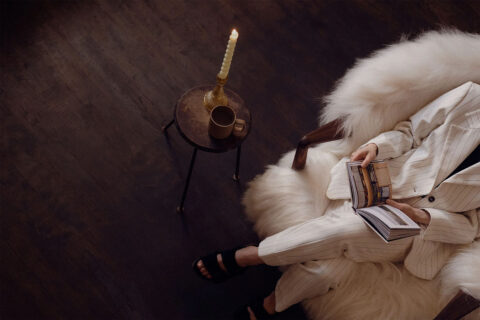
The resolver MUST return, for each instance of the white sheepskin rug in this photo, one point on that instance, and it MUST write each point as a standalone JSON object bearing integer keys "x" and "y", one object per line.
{"x": 372, "y": 97}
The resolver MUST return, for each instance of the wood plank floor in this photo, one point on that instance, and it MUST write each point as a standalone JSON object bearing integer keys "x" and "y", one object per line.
{"x": 89, "y": 184}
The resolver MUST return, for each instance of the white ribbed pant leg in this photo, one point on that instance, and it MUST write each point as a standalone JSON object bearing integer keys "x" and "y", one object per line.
{"x": 329, "y": 238}
{"x": 307, "y": 280}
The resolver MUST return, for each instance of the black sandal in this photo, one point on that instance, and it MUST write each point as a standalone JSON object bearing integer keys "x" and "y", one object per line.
{"x": 257, "y": 308}
{"x": 211, "y": 264}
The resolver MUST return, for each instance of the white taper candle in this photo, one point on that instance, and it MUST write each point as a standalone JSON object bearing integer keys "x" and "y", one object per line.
{"x": 227, "y": 59}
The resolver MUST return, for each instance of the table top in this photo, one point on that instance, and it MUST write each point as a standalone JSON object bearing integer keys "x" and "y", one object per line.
{"x": 192, "y": 118}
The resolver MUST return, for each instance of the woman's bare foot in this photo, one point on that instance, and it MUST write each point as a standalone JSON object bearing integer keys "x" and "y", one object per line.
{"x": 204, "y": 271}
{"x": 244, "y": 257}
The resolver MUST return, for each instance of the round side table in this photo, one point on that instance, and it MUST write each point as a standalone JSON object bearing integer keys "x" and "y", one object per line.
{"x": 191, "y": 119}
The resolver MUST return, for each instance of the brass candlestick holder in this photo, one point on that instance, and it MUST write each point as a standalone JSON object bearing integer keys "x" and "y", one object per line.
{"x": 216, "y": 97}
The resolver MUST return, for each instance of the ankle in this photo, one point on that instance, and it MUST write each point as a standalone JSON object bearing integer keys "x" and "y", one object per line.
{"x": 247, "y": 256}
{"x": 269, "y": 303}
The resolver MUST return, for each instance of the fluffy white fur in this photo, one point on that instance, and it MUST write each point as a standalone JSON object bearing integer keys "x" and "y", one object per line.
{"x": 456, "y": 274}
{"x": 394, "y": 82}
{"x": 372, "y": 97}
{"x": 463, "y": 272}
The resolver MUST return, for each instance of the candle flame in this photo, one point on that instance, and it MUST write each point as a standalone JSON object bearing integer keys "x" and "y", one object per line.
{"x": 234, "y": 34}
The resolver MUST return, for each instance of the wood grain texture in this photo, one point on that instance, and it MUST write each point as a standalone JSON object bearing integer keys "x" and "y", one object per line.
{"x": 89, "y": 184}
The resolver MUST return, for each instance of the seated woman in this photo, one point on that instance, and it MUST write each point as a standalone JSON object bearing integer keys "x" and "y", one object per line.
{"x": 435, "y": 155}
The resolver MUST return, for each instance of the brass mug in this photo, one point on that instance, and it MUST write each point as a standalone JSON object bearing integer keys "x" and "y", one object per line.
{"x": 224, "y": 122}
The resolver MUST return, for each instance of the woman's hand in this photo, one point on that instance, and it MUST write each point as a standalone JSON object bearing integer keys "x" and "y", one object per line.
{"x": 417, "y": 215}
{"x": 366, "y": 153}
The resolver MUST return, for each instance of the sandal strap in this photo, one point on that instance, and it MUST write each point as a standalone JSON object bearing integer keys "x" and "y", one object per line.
{"x": 211, "y": 264}
{"x": 228, "y": 258}
{"x": 259, "y": 310}
{"x": 215, "y": 270}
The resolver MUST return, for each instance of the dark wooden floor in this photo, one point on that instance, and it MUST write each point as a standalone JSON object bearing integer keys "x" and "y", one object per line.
{"x": 89, "y": 184}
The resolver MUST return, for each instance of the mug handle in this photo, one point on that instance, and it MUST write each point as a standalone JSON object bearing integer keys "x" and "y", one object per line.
{"x": 239, "y": 128}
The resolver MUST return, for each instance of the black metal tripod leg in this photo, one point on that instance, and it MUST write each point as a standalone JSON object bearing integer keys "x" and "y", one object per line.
{"x": 236, "y": 177}
{"x": 184, "y": 195}
{"x": 165, "y": 128}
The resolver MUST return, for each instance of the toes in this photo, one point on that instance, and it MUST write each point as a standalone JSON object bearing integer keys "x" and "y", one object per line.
{"x": 201, "y": 267}
{"x": 203, "y": 270}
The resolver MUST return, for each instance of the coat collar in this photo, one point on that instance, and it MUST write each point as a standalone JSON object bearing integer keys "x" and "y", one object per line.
{"x": 470, "y": 138}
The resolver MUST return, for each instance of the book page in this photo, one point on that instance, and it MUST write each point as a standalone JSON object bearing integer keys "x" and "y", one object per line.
{"x": 390, "y": 216}
{"x": 371, "y": 185}
{"x": 380, "y": 180}
{"x": 357, "y": 186}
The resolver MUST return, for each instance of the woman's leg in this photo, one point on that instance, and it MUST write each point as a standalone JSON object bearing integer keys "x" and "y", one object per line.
{"x": 304, "y": 281}
{"x": 310, "y": 279}
{"x": 315, "y": 251}
{"x": 320, "y": 239}
{"x": 329, "y": 238}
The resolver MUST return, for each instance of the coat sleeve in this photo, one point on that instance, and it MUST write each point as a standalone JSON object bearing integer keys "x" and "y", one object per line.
{"x": 410, "y": 134}
{"x": 450, "y": 227}
{"x": 392, "y": 144}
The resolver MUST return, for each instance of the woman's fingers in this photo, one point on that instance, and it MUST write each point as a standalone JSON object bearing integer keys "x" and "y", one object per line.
{"x": 394, "y": 203}
{"x": 358, "y": 155}
{"x": 402, "y": 207}
{"x": 391, "y": 202}
{"x": 405, "y": 208}
{"x": 367, "y": 154}
{"x": 370, "y": 156}
{"x": 417, "y": 215}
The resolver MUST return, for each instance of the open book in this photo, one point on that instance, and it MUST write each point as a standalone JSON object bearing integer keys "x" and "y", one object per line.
{"x": 370, "y": 188}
